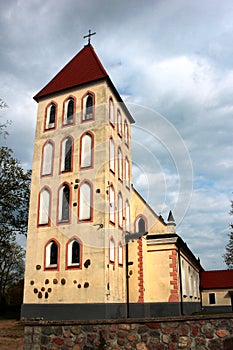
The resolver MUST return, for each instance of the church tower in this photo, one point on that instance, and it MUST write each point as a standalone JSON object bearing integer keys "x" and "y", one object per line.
{"x": 80, "y": 196}
{"x": 95, "y": 248}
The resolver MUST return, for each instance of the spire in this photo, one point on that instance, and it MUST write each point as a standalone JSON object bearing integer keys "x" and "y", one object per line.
{"x": 170, "y": 223}
{"x": 84, "y": 68}
{"x": 170, "y": 217}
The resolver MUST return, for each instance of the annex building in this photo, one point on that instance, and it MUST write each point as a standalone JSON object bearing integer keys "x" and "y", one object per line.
{"x": 95, "y": 248}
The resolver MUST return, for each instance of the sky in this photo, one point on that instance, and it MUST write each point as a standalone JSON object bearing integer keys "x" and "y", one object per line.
{"x": 171, "y": 61}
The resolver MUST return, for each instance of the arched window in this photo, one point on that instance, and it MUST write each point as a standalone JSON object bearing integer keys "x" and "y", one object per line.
{"x": 126, "y": 133}
{"x": 88, "y": 103}
{"x": 120, "y": 254}
{"x": 112, "y": 250}
{"x": 119, "y": 123}
{"x": 140, "y": 225}
{"x": 64, "y": 204}
{"x": 44, "y": 207}
{"x": 51, "y": 254}
{"x": 50, "y": 116}
{"x": 47, "y": 159}
{"x": 69, "y": 111}
{"x": 73, "y": 253}
{"x": 190, "y": 278}
{"x": 66, "y": 154}
{"x": 86, "y": 150}
{"x": 111, "y": 112}
{"x": 120, "y": 165}
{"x": 127, "y": 216}
{"x": 120, "y": 210}
{"x": 111, "y": 155}
{"x": 111, "y": 204}
{"x": 127, "y": 174}
{"x": 85, "y": 201}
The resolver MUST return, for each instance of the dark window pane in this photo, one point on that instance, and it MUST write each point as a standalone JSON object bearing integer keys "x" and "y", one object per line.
{"x": 89, "y": 107}
{"x": 75, "y": 253}
{"x": 52, "y": 114}
{"x": 65, "y": 203}
{"x": 68, "y": 155}
{"x": 53, "y": 254}
{"x": 141, "y": 226}
{"x": 70, "y": 111}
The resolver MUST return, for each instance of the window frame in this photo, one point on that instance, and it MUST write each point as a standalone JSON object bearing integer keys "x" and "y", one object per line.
{"x": 65, "y": 122}
{"x": 120, "y": 164}
{"x": 47, "y": 116}
{"x": 120, "y": 210}
{"x": 119, "y": 123}
{"x": 111, "y": 112}
{"x": 120, "y": 254}
{"x": 112, "y": 157}
{"x": 43, "y": 159}
{"x": 86, "y": 133}
{"x": 112, "y": 213}
{"x": 112, "y": 253}
{"x": 45, "y": 188}
{"x": 210, "y": 296}
{"x": 63, "y": 156}
{"x": 69, "y": 264}
{"x": 126, "y": 133}
{"x": 84, "y": 107}
{"x": 127, "y": 173}
{"x": 59, "y": 211}
{"x": 90, "y": 219}
{"x": 47, "y": 255}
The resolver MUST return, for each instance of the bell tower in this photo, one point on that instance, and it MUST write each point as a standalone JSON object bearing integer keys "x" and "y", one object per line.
{"x": 80, "y": 196}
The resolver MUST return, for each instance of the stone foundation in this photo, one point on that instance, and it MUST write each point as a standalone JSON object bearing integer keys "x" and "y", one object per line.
{"x": 188, "y": 333}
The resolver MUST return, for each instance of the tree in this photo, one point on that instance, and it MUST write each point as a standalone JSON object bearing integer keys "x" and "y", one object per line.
{"x": 228, "y": 257}
{"x": 14, "y": 194}
{"x": 3, "y": 126}
{"x": 14, "y": 201}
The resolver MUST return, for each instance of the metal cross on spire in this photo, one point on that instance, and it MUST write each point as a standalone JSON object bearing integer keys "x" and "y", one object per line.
{"x": 89, "y": 36}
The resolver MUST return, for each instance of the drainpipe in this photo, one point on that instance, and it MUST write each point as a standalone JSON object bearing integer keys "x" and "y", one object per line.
{"x": 181, "y": 289}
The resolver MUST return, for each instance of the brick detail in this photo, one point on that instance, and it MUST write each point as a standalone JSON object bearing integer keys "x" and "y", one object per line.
{"x": 140, "y": 272}
{"x": 174, "y": 295}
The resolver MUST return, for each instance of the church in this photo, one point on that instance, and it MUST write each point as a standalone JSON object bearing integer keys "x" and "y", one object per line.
{"x": 95, "y": 247}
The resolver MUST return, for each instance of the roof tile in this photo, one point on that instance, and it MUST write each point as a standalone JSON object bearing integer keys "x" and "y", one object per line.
{"x": 83, "y": 68}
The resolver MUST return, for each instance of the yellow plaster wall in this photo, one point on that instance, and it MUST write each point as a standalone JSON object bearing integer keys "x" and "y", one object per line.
{"x": 222, "y": 297}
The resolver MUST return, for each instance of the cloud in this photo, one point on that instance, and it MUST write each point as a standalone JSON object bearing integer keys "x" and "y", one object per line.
{"x": 172, "y": 62}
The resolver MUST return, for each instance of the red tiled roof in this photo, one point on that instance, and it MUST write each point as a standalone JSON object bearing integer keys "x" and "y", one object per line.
{"x": 83, "y": 68}
{"x": 217, "y": 279}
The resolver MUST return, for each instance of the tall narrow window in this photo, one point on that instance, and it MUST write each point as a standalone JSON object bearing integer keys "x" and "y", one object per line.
{"x": 120, "y": 165}
{"x": 120, "y": 210}
{"x": 73, "y": 253}
{"x": 47, "y": 159}
{"x": 44, "y": 207}
{"x": 51, "y": 254}
{"x": 69, "y": 111}
{"x": 111, "y": 112}
{"x": 120, "y": 254}
{"x": 66, "y": 154}
{"x": 111, "y": 155}
{"x": 190, "y": 278}
{"x": 86, "y": 150}
{"x": 119, "y": 123}
{"x": 127, "y": 175}
{"x": 88, "y": 103}
{"x": 112, "y": 250}
{"x": 127, "y": 216}
{"x": 111, "y": 204}
{"x": 140, "y": 225}
{"x": 126, "y": 133}
{"x": 64, "y": 204}
{"x": 85, "y": 201}
{"x": 183, "y": 279}
{"x": 50, "y": 116}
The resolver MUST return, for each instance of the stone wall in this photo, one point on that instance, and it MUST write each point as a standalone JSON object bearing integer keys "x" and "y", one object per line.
{"x": 188, "y": 333}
